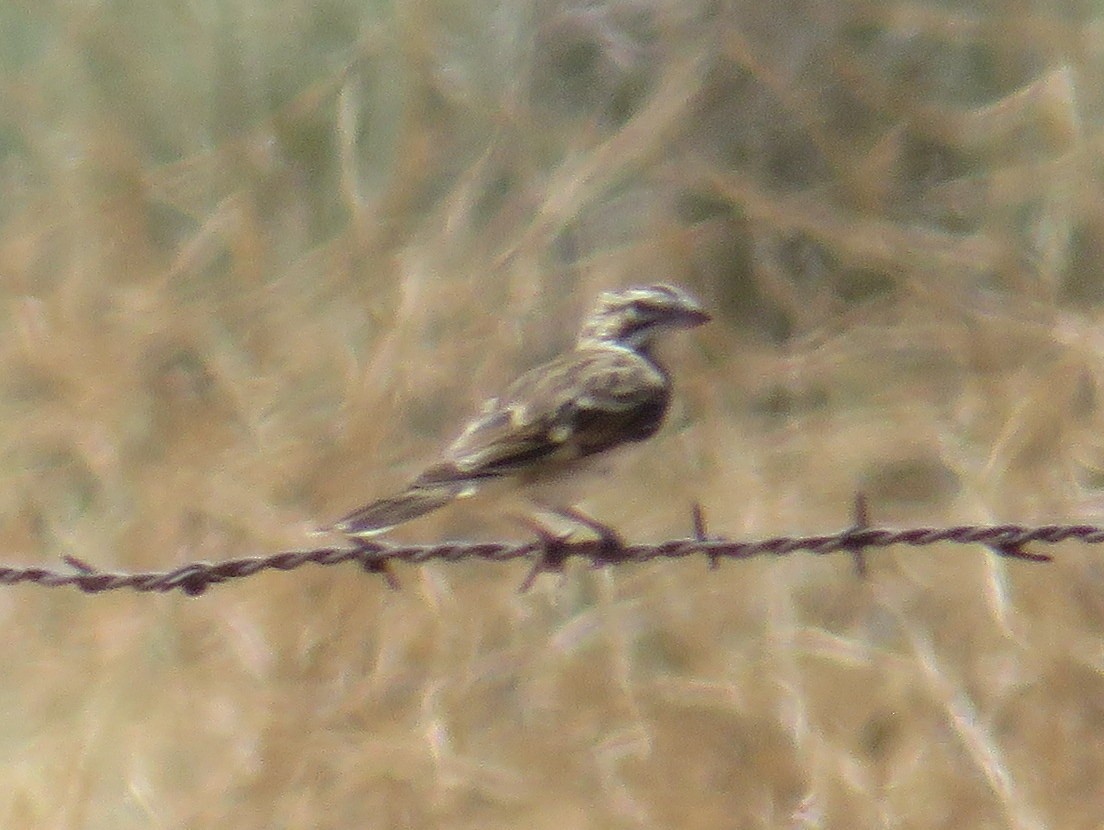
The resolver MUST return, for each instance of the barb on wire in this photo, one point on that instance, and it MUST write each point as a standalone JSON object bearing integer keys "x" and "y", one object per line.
{"x": 550, "y": 552}
{"x": 862, "y": 522}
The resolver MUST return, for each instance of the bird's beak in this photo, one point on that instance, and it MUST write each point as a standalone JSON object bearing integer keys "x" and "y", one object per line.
{"x": 694, "y": 317}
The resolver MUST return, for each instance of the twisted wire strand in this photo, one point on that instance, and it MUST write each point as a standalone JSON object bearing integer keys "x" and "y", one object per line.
{"x": 549, "y": 553}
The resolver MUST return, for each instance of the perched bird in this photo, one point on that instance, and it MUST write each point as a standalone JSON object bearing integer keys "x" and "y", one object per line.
{"x": 607, "y": 391}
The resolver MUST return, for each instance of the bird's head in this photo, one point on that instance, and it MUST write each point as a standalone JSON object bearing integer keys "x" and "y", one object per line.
{"x": 633, "y": 317}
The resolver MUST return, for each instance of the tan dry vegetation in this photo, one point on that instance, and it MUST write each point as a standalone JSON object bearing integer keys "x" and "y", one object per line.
{"x": 258, "y": 259}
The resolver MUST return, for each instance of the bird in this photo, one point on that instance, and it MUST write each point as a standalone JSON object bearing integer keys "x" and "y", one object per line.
{"x": 607, "y": 391}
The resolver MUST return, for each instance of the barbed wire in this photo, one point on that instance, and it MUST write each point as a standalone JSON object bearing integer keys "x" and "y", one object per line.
{"x": 551, "y": 553}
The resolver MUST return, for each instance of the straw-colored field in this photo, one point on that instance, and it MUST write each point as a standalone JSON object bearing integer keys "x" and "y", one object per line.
{"x": 259, "y": 260}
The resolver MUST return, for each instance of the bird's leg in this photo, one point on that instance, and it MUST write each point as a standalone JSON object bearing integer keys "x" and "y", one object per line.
{"x": 608, "y": 539}
{"x": 556, "y": 547}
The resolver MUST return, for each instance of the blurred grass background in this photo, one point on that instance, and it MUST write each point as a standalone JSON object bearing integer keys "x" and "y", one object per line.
{"x": 258, "y": 260}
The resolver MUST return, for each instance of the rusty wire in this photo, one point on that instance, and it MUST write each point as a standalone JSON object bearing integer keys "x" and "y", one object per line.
{"x": 549, "y": 553}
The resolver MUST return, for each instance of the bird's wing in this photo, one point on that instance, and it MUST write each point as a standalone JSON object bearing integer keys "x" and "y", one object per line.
{"x": 584, "y": 402}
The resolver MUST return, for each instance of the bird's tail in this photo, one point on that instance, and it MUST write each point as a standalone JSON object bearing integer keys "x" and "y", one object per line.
{"x": 384, "y": 514}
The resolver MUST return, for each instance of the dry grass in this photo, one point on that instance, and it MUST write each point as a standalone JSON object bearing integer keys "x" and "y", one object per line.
{"x": 257, "y": 259}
